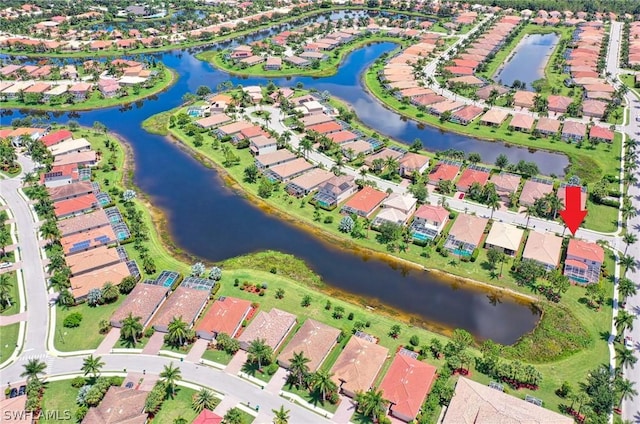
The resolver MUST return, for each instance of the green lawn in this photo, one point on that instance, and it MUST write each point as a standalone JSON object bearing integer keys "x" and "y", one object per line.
{"x": 15, "y": 299}
{"x": 178, "y": 407}
{"x": 126, "y": 344}
{"x": 59, "y": 396}
{"x": 8, "y": 340}
{"x": 86, "y": 336}
{"x": 95, "y": 100}
{"x": 219, "y": 356}
{"x": 312, "y": 398}
{"x": 245, "y": 417}
{"x": 601, "y": 218}
{"x": 327, "y": 67}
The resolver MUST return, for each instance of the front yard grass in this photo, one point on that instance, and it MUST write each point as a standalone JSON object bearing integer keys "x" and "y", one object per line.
{"x": 178, "y": 407}
{"x": 8, "y": 340}
{"x": 59, "y": 396}
{"x": 13, "y": 293}
{"x": 218, "y": 356}
{"x": 86, "y": 335}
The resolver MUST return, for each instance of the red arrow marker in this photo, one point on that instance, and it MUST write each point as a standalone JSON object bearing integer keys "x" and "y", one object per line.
{"x": 573, "y": 215}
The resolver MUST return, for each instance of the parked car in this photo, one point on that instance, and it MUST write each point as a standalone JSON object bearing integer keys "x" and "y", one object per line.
{"x": 628, "y": 342}
{"x": 22, "y": 390}
{"x": 4, "y": 265}
{"x": 13, "y": 393}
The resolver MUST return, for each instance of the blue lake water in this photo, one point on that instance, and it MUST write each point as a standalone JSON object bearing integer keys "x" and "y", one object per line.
{"x": 530, "y": 58}
{"x": 213, "y": 222}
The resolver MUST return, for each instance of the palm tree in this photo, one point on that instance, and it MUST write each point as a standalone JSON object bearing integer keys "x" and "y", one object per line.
{"x": 204, "y": 399}
{"x": 625, "y": 357}
{"x": 33, "y": 368}
{"x": 49, "y": 231}
{"x": 5, "y": 291}
{"x": 628, "y": 211}
{"x": 494, "y": 203}
{"x": 281, "y": 416}
{"x": 131, "y": 328}
{"x": 259, "y": 352}
{"x": 170, "y": 375}
{"x": 625, "y": 389}
{"x": 527, "y": 211}
{"x": 624, "y": 321}
{"x": 322, "y": 382}
{"x": 92, "y": 365}
{"x": 233, "y": 416}
{"x": 629, "y": 239}
{"x": 628, "y": 262}
{"x": 371, "y": 403}
{"x": 626, "y": 288}
{"x": 306, "y": 145}
{"x": 298, "y": 367}
{"x": 177, "y": 331}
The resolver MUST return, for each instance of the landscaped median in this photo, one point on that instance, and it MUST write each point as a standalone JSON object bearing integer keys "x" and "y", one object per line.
{"x": 324, "y": 68}
{"x": 583, "y": 325}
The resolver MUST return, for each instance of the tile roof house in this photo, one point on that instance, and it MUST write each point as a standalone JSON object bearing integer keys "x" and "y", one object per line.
{"x": 469, "y": 177}
{"x": 562, "y": 194}
{"x": 261, "y": 145}
{"x": 315, "y": 340}
{"x": 543, "y": 248}
{"x": 185, "y": 303}
{"x": 278, "y": 157}
{"x": 480, "y": 404}
{"x": 593, "y": 108}
{"x": 601, "y": 134}
{"x": 93, "y": 259}
{"x": 413, "y": 162}
{"x": 533, "y": 190}
{"x": 443, "y": 172}
{"x": 429, "y": 221}
{"x": 558, "y": 104}
{"x": 87, "y": 240}
{"x": 583, "y": 261}
{"x": 214, "y": 120}
{"x": 358, "y": 365}
{"x": 494, "y": 117}
{"x": 225, "y": 315}
{"x": 547, "y": 126}
{"x": 402, "y": 202}
{"x": 70, "y": 191}
{"x": 119, "y": 406}
{"x": 14, "y": 407}
{"x": 60, "y": 175}
{"x": 465, "y": 234}
{"x": 75, "y": 206}
{"x": 575, "y": 131}
{"x": 506, "y": 184}
{"x": 522, "y": 122}
{"x": 143, "y": 301}
{"x": 406, "y": 385}
{"x": 82, "y": 284}
{"x": 272, "y": 326}
{"x": 308, "y": 182}
{"x": 364, "y": 202}
{"x": 84, "y": 222}
{"x": 505, "y": 237}
{"x": 287, "y": 171}
{"x": 335, "y": 190}
{"x": 467, "y": 114}
{"x": 56, "y": 137}
{"x": 524, "y": 99}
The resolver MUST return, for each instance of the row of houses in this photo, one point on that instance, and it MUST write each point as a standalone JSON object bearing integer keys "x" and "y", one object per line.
{"x": 634, "y": 44}
{"x": 89, "y": 226}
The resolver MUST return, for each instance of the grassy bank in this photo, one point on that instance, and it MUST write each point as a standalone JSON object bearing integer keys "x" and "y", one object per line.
{"x": 588, "y": 162}
{"x": 95, "y": 101}
{"x": 9, "y": 339}
{"x": 13, "y": 294}
{"x": 327, "y": 67}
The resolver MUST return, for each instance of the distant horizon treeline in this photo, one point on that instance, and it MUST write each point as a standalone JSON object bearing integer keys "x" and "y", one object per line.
{"x": 589, "y": 6}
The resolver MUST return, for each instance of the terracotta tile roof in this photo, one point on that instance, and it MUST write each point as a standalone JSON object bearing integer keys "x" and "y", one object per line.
{"x": 414, "y": 161}
{"x": 119, "y": 406}
{"x": 214, "y": 120}
{"x": 459, "y": 70}
{"x": 95, "y": 219}
{"x": 559, "y": 103}
{"x": 325, "y": 127}
{"x": 358, "y": 365}
{"x": 207, "y": 417}
{"x": 494, "y": 116}
{"x": 278, "y": 156}
{"x": 407, "y": 384}
{"x": 366, "y": 200}
{"x": 479, "y": 404}
{"x": 81, "y": 284}
{"x": 506, "y": 182}
{"x": 93, "y": 238}
{"x": 342, "y": 136}
{"x": 444, "y": 171}
{"x": 601, "y": 133}
{"x": 75, "y": 205}
{"x": 70, "y": 190}
{"x": 524, "y": 98}
{"x": 522, "y": 121}
{"x": 56, "y": 137}
{"x": 142, "y": 302}
{"x": 185, "y": 303}
{"x": 432, "y": 213}
{"x": 314, "y": 339}
{"x": 549, "y": 125}
{"x": 235, "y": 127}
{"x": 593, "y": 107}
{"x": 291, "y": 168}
{"x": 225, "y": 316}
{"x": 543, "y": 247}
{"x": 468, "y": 228}
{"x": 273, "y": 326}
{"x": 533, "y": 190}
{"x": 468, "y": 113}
{"x": 76, "y": 158}
{"x": 470, "y": 176}
{"x": 585, "y": 250}
{"x": 16, "y": 407}
{"x": 573, "y": 128}
{"x": 91, "y": 259}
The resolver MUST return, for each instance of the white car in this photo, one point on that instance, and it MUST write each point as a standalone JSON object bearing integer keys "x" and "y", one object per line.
{"x": 4, "y": 265}
{"x": 628, "y": 343}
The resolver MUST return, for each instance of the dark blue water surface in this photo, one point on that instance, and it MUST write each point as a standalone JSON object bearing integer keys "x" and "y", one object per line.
{"x": 213, "y": 222}
{"x": 528, "y": 62}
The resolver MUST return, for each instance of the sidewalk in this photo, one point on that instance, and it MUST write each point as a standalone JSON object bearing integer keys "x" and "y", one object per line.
{"x": 12, "y": 319}
{"x": 345, "y": 410}
{"x": 108, "y": 342}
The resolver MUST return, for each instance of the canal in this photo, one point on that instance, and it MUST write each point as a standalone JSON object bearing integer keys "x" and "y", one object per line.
{"x": 528, "y": 59}
{"x": 213, "y": 222}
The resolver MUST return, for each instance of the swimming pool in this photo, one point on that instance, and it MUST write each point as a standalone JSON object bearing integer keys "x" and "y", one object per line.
{"x": 421, "y": 237}
{"x": 167, "y": 278}
{"x": 461, "y": 252}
